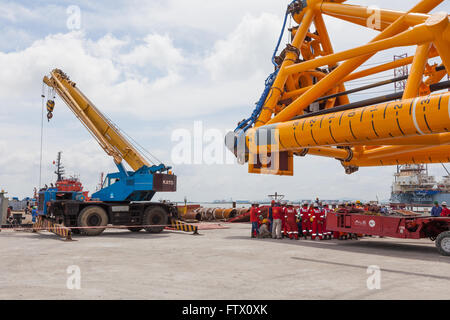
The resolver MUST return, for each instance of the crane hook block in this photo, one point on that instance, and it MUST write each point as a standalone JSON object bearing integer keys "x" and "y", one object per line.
{"x": 50, "y": 108}
{"x": 50, "y": 105}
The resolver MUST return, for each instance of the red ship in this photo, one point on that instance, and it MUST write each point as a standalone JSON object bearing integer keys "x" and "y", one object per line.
{"x": 71, "y": 184}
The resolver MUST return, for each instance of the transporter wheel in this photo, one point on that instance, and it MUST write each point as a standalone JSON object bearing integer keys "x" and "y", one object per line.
{"x": 443, "y": 243}
{"x": 135, "y": 229}
{"x": 92, "y": 216}
{"x": 155, "y": 216}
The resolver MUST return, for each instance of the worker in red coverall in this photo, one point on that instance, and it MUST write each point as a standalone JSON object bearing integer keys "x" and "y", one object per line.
{"x": 276, "y": 228}
{"x": 283, "y": 220}
{"x": 8, "y": 212}
{"x": 317, "y": 220}
{"x": 254, "y": 218}
{"x": 291, "y": 221}
{"x": 445, "y": 211}
{"x": 305, "y": 215}
{"x": 326, "y": 211}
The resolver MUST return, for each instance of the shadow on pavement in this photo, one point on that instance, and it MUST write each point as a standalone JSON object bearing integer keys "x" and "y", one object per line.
{"x": 364, "y": 267}
{"x": 384, "y": 248}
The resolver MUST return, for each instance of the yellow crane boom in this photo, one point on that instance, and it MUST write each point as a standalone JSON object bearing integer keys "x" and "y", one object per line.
{"x": 106, "y": 134}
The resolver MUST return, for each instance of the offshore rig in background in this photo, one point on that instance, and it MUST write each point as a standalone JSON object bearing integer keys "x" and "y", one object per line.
{"x": 414, "y": 185}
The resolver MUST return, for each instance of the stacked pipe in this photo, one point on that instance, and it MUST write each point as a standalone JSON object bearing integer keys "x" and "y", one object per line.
{"x": 211, "y": 214}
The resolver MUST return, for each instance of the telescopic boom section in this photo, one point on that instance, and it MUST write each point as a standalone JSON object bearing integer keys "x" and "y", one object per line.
{"x": 106, "y": 134}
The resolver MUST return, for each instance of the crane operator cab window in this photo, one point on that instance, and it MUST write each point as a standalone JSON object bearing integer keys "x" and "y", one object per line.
{"x": 109, "y": 181}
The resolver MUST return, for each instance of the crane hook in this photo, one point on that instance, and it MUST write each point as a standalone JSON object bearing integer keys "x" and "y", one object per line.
{"x": 50, "y": 108}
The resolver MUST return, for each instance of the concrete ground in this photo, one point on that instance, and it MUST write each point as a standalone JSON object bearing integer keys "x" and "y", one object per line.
{"x": 219, "y": 264}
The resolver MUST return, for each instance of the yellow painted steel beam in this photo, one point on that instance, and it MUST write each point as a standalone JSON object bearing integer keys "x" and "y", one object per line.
{"x": 417, "y": 69}
{"x": 417, "y": 35}
{"x": 417, "y": 128}
{"x": 366, "y": 72}
{"x": 425, "y": 140}
{"x": 361, "y": 14}
{"x": 439, "y": 154}
{"x": 408, "y": 118}
{"x": 280, "y": 80}
{"x": 421, "y": 33}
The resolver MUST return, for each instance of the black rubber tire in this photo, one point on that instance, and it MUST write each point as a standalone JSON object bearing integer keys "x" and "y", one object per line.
{"x": 156, "y": 216}
{"x": 135, "y": 229}
{"x": 443, "y": 243}
{"x": 92, "y": 216}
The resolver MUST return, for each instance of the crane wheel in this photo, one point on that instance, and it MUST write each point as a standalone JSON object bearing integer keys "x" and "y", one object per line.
{"x": 156, "y": 216}
{"x": 443, "y": 243}
{"x": 135, "y": 229}
{"x": 92, "y": 216}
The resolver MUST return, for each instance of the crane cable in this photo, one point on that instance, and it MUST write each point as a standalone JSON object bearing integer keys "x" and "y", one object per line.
{"x": 134, "y": 143}
{"x": 42, "y": 134}
{"x": 247, "y": 123}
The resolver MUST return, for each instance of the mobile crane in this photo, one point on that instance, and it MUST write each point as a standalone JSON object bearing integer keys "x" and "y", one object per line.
{"x": 125, "y": 196}
{"x": 305, "y": 107}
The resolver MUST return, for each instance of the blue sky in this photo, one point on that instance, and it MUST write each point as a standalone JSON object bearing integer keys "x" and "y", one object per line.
{"x": 154, "y": 67}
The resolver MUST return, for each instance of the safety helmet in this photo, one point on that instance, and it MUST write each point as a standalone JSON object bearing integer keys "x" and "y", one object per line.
{"x": 444, "y": 203}
{"x": 289, "y": 203}
{"x": 304, "y": 204}
{"x": 316, "y": 205}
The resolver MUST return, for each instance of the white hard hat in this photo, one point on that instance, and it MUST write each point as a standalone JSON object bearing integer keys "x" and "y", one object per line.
{"x": 316, "y": 205}
{"x": 444, "y": 203}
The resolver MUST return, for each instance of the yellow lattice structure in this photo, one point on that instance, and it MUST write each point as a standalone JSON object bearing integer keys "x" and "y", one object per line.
{"x": 307, "y": 110}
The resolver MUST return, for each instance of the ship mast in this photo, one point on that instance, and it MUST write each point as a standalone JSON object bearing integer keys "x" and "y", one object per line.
{"x": 59, "y": 168}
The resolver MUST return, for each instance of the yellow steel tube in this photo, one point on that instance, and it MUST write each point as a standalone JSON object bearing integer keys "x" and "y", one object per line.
{"x": 439, "y": 25}
{"x": 355, "y": 13}
{"x": 407, "y": 118}
{"x": 329, "y": 152}
{"x": 347, "y": 67}
{"x": 434, "y": 155}
{"x": 280, "y": 80}
{"x": 417, "y": 69}
{"x": 429, "y": 139}
{"x": 364, "y": 73}
{"x": 417, "y": 35}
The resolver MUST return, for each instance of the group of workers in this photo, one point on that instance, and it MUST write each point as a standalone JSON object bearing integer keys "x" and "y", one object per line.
{"x": 284, "y": 220}
{"x": 440, "y": 211}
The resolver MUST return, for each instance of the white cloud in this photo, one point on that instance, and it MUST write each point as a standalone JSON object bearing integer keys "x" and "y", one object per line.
{"x": 152, "y": 67}
{"x": 13, "y": 12}
{"x": 246, "y": 50}
{"x": 157, "y": 50}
